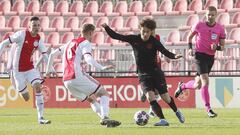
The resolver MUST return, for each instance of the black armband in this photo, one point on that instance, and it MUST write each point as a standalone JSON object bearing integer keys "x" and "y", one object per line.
{"x": 218, "y": 48}
{"x": 189, "y": 45}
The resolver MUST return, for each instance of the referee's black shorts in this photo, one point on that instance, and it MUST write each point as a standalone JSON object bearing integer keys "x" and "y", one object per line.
{"x": 153, "y": 82}
{"x": 204, "y": 63}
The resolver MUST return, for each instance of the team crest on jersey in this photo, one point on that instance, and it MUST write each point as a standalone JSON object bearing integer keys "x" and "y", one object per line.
{"x": 36, "y": 43}
{"x": 214, "y": 36}
{"x": 149, "y": 46}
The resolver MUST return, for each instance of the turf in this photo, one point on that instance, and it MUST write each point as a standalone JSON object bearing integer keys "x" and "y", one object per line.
{"x": 85, "y": 122}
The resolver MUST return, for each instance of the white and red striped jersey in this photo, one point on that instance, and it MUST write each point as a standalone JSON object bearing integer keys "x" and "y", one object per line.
{"x": 73, "y": 54}
{"x": 25, "y": 47}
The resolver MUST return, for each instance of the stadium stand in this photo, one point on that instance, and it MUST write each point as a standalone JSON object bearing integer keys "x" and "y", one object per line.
{"x": 107, "y": 8}
{"x": 98, "y": 38}
{"x": 131, "y": 24}
{"x": 173, "y": 37}
{"x": 136, "y": 8}
{"x": 88, "y": 19}
{"x": 117, "y": 22}
{"x": 150, "y": 6}
{"x": 166, "y": 6}
{"x": 190, "y": 21}
{"x": 67, "y": 36}
{"x": 92, "y": 8}
{"x": 53, "y": 39}
{"x": 72, "y": 23}
{"x": 14, "y": 23}
{"x": 24, "y": 22}
{"x": 44, "y": 24}
{"x": 5, "y": 8}
{"x": 62, "y": 7}
{"x": 226, "y": 4}
{"x": 121, "y": 7}
{"x": 33, "y": 7}
{"x": 236, "y": 18}
{"x": 101, "y": 20}
{"x": 195, "y": 5}
{"x": 76, "y": 9}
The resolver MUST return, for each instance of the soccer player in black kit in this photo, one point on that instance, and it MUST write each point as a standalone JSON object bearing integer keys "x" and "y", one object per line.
{"x": 151, "y": 78}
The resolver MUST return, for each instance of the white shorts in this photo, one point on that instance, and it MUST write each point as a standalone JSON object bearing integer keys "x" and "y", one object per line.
{"x": 22, "y": 78}
{"x": 82, "y": 87}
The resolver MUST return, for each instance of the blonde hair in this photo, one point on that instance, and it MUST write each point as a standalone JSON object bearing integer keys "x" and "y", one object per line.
{"x": 87, "y": 27}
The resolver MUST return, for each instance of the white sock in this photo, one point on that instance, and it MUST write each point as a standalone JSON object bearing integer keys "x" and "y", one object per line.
{"x": 39, "y": 104}
{"x": 150, "y": 109}
{"x": 104, "y": 105}
{"x": 96, "y": 108}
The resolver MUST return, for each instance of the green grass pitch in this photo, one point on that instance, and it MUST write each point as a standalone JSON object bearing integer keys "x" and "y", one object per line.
{"x": 85, "y": 122}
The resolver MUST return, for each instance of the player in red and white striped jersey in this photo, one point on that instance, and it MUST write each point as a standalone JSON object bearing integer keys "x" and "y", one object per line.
{"x": 81, "y": 85}
{"x": 27, "y": 41}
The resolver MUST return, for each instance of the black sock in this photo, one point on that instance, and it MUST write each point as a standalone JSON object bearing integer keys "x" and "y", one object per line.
{"x": 157, "y": 109}
{"x": 172, "y": 105}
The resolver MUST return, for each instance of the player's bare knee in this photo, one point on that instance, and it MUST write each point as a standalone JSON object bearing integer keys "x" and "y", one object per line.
{"x": 166, "y": 98}
{"x": 151, "y": 96}
{"x": 26, "y": 96}
{"x": 101, "y": 92}
{"x": 198, "y": 85}
{"x": 90, "y": 100}
{"x": 37, "y": 87}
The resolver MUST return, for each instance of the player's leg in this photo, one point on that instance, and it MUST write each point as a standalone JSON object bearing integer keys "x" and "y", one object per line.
{"x": 94, "y": 105}
{"x": 104, "y": 107}
{"x": 161, "y": 86}
{"x": 205, "y": 95}
{"x": 204, "y": 64}
{"x": 33, "y": 77}
{"x": 170, "y": 101}
{"x": 88, "y": 86}
{"x": 19, "y": 80}
{"x": 156, "y": 109}
{"x": 151, "y": 112}
{"x": 147, "y": 84}
{"x": 192, "y": 85}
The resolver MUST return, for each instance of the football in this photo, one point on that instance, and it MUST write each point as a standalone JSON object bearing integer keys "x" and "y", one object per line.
{"x": 141, "y": 118}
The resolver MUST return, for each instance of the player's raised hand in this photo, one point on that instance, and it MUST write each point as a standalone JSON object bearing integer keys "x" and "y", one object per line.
{"x": 177, "y": 56}
{"x": 108, "y": 67}
{"x": 104, "y": 25}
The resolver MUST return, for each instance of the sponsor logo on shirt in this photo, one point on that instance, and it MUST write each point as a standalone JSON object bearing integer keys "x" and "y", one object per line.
{"x": 36, "y": 43}
{"x": 149, "y": 46}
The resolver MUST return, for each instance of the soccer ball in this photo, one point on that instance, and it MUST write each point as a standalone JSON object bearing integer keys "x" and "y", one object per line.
{"x": 141, "y": 118}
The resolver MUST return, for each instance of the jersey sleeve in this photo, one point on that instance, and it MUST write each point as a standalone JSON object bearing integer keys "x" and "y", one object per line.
{"x": 195, "y": 28}
{"x": 162, "y": 49}
{"x": 41, "y": 47}
{"x": 114, "y": 35}
{"x": 15, "y": 38}
{"x": 87, "y": 49}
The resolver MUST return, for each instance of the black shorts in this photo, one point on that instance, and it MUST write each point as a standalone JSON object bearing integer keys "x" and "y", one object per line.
{"x": 204, "y": 63}
{"x": 154, "y": 81}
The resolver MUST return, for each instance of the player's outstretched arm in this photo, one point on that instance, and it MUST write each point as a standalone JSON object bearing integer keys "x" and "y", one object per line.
{"x": 50, "y": 71}
{"x": 114, "y": 35}
{"x": 3, "y": 44}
